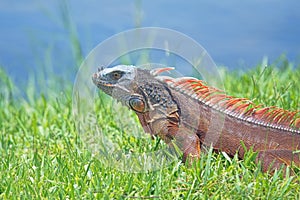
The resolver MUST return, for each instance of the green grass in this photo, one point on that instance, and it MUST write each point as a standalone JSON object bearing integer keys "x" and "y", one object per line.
{"x": 42, "y": 155}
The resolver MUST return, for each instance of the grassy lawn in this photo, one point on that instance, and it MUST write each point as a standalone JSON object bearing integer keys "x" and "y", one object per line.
{"x": 42, "y": 155}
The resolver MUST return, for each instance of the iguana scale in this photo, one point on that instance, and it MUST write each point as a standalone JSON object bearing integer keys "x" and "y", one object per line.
{"x": 187, "y": 111}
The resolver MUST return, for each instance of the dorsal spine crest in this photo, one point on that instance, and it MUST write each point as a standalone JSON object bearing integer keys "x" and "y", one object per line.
{"x": 241, "y": 108}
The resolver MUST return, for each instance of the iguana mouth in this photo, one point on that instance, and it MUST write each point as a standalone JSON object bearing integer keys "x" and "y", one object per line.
{"x": 115, "y": 81}
{"x": 105, "y": 85}
{"x": 99, "y": 80}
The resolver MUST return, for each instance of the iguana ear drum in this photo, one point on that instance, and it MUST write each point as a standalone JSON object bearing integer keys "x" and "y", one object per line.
{"x": 137, "y": 104}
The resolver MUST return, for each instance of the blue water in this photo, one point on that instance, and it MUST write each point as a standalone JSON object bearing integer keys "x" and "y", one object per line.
{"x": 235, "y": 33}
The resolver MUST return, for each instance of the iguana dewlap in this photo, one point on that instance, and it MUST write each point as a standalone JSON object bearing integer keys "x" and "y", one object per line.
{"x": 188, "y": 112}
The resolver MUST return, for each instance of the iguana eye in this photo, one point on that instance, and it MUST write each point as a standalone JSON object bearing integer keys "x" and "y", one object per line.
{"x": 116, "y": 75}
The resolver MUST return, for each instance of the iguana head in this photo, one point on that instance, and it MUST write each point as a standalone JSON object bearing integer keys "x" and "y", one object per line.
{"x": 115, "y": 79}
{"x": 137, "y": 88}
{"x": 123, "y": 82}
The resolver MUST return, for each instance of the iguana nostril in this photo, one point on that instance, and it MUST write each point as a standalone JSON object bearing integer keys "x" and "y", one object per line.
{"x": 95, "y": 75}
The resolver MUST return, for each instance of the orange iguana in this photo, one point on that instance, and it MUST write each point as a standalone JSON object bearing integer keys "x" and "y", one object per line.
{"x": 187, "y": 111}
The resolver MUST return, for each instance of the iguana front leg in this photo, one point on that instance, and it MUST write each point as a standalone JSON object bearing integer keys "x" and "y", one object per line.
{"x": 185, "y": 139}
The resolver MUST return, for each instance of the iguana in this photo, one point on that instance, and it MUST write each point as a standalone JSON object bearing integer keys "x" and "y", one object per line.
{"x": 186, "y": 110}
